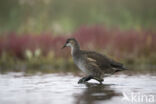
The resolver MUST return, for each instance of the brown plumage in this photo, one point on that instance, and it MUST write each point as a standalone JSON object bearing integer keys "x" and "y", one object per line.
{"x": 93, "y": 64}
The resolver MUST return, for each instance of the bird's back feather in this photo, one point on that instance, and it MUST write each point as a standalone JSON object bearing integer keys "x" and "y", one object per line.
{"x": 103, "y": 62}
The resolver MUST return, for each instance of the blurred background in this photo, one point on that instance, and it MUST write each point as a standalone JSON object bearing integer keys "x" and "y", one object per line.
{"x": 34, "y": 68}
{"x": 32, "y": 33}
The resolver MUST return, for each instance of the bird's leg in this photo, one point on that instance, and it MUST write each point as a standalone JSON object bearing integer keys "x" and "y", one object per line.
{"x": 98, "y": 79}
{"x": 84, "y": 79}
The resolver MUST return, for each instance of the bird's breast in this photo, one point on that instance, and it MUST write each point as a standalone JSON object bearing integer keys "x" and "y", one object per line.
{"x": 81, "y": 65}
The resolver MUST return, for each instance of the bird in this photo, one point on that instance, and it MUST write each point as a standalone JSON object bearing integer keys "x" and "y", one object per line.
{"x": 95, "y": 65}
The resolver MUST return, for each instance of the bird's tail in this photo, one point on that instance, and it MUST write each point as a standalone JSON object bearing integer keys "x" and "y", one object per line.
{"x": 121, "y": 69}
{"x": 124, "y": 68}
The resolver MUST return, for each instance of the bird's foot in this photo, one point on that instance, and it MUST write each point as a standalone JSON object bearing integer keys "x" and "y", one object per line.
{"x": 82, "y": 80}
{"x": 99, "y": 79}
{"x": 85, "y": 79}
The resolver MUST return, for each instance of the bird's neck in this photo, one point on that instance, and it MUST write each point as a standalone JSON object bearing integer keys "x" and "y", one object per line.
{"x": 74, "y": 50}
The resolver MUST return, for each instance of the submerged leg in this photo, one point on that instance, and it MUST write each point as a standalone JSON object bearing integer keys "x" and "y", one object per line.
{"x": 84, "y": 79}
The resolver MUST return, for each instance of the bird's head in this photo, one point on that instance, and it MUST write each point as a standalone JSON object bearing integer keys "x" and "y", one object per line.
{"x": 72, "y": 43}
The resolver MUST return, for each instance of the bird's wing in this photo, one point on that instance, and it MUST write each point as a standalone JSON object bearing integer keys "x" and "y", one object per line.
{"x": 102, "y": 61}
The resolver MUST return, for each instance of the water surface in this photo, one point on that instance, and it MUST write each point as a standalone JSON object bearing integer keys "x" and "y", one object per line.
{"x": 15, "y": 88}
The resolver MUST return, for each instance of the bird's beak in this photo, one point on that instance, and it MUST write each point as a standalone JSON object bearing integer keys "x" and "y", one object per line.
{"x": 64, "y": 46}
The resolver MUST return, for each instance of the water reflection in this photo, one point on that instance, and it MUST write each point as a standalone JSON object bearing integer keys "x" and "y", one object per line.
{"x": 63, "y": 89}
{"x": 96, "y": 92}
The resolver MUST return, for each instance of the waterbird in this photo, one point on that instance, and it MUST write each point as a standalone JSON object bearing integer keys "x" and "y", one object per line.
{"x": 94, "y": 65}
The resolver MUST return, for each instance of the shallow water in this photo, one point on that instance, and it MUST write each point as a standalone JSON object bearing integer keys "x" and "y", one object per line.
{"x": 63, "y": 89}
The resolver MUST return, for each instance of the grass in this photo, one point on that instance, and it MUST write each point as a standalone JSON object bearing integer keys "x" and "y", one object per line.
{"x": 42, "y": 52}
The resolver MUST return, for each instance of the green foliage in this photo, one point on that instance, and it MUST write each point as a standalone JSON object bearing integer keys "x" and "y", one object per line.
{"x": 48, "y": 64}
{"x": 63, "y": 16}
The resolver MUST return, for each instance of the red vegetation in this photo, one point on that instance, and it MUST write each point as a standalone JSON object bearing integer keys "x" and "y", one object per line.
{"x": 97, "y": 37}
